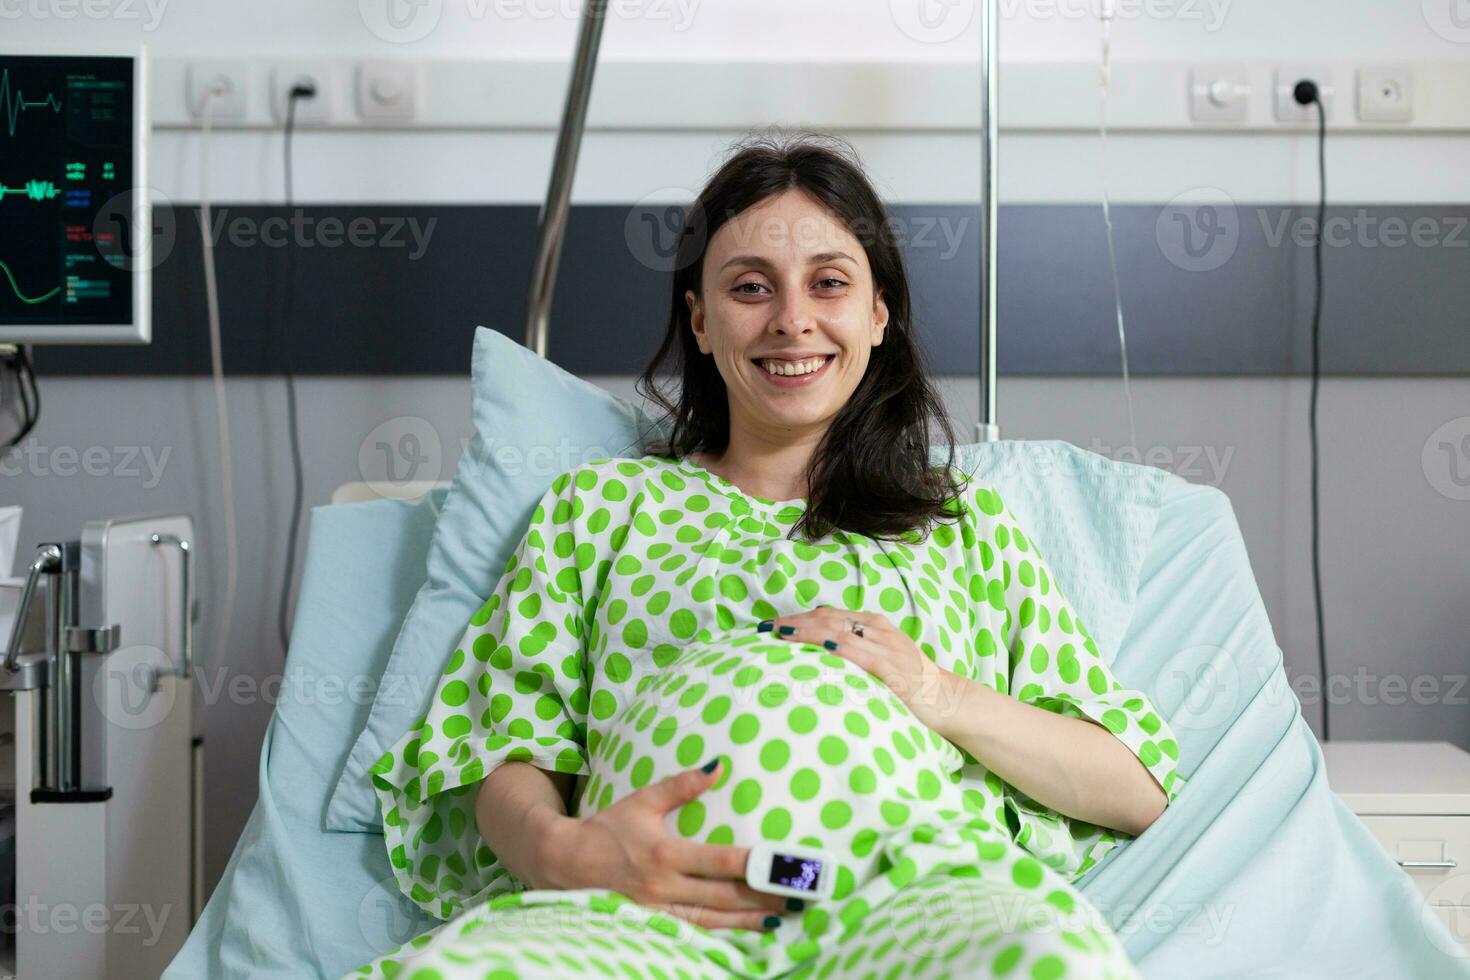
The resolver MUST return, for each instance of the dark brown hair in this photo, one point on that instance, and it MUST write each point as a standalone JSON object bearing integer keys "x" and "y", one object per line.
{"x": 871, "y": 473}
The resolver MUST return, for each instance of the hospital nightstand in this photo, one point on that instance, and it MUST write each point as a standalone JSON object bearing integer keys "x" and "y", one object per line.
{"x": 1415, "y": 798}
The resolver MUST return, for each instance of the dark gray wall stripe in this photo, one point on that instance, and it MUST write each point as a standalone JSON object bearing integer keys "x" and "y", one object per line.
{"x": 1232, "y": 299}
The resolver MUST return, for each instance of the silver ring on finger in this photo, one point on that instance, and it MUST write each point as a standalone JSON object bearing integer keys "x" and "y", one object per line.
{"x": 853, "y": 626}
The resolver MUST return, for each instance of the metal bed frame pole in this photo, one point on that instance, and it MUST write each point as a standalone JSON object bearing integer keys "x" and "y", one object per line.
{"x": 988, "y": 428}
{"x": 559, "y": 193}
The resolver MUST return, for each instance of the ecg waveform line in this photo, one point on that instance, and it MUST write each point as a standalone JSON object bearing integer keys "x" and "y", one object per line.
{"x": 36, "y": 190}
{"x": 29, "y": 301}
{"x": 16, "y": 103}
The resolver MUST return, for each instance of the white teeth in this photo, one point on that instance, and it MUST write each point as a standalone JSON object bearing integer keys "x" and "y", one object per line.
{"x": 791, "y": 368}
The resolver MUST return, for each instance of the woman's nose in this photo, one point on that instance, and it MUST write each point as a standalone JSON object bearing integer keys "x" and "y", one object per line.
{"x": 793, "y": 314}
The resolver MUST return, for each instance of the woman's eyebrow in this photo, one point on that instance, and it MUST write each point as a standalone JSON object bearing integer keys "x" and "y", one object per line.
{"x": 760, "y": 261}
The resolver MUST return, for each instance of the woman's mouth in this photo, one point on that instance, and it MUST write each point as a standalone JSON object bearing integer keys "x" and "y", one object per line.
{"x": 784, "y": 373}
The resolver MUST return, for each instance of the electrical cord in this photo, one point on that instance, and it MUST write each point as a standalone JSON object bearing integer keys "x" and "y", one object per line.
{"x": 9, "y": 363}
{"x": 27, "y": 392}
{"x": 1307, "y": 93}
{"x": 33, "y": 402}
{"x": 298, "y": 92}
{"x": 217, "y": 370}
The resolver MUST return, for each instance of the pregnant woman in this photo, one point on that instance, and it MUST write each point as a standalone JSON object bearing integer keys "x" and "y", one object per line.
{"x": 783, "y": 628}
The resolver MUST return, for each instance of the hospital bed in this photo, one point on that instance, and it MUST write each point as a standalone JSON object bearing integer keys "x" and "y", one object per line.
{"x": 1257, "y": 869}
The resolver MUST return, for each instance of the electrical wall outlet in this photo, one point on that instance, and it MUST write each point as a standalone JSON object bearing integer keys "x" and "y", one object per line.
{"x": 316, "y": 110}
{"x": 1386, "y": 94}
{"x": 1219, "y": 93}
{"x": 231, "y": 76}
{"x": 1287, "y": 109}
{"x": 388, "y": 90}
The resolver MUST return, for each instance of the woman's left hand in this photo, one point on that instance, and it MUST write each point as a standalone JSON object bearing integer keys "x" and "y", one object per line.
{"x": 884, "y": 651}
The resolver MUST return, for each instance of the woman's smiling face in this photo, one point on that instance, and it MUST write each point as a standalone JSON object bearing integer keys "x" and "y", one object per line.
{"x": 790, "y": 313}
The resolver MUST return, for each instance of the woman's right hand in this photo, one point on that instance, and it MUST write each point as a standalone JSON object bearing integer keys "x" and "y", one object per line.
{"x": 626, "y": 848}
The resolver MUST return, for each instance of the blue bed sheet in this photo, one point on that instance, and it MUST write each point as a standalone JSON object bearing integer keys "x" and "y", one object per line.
{"x": 297, "y": 901}
{"x": 1256, "y": 870}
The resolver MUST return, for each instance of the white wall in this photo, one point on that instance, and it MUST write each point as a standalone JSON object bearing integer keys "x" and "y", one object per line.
{"x": 777, "y": 30}
{"x": 682, "y": 37}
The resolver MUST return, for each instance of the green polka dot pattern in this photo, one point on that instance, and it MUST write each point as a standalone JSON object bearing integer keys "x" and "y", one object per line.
{"x": 942, "y": 927}
{"x": 620, "y": 646}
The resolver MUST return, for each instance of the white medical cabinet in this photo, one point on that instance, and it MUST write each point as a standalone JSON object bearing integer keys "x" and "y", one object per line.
{"x": 1415, "y": 798}
{"x": 100, "y": 825}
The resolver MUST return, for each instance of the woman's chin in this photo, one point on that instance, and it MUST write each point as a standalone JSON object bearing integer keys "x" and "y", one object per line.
{"x": 797, "y": 412}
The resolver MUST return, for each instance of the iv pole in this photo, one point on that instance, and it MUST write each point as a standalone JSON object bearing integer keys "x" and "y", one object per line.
{"x": 988, "y": 428}
{"x": 569, "y": 142}
{"x": 559, "y": 193}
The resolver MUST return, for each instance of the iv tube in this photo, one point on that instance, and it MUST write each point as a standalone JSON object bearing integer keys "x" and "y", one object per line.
{"x": 1105, "y": 14}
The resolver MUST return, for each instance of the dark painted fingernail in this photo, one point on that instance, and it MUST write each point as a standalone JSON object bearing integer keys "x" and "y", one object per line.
{"x": 764, "y": 626}
{"x": 771, "y": 921}
{"x": 795, "y": 905}
{"x": 710, "y": 765}
{"x": 830, "y": 644}
{"x": 787, "y": 630}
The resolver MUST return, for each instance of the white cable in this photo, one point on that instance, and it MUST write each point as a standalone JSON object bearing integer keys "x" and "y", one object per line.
{"x": 1105, "y": 14}
{"x": 217, "y": 368}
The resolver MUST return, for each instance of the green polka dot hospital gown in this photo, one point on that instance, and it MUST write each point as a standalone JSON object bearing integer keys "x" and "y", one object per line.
{"x": 620, "y": 644}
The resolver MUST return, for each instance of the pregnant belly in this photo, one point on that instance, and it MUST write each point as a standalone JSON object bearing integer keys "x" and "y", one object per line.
{"x": 816, "y": 752}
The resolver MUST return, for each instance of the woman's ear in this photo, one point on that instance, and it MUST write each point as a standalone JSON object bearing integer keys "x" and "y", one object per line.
{"x": 696, "y": 320}
{"x": 880, "y": 318}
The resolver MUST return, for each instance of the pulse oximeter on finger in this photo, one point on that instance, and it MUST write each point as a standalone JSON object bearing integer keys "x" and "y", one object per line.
{"x": 799, "y": 872}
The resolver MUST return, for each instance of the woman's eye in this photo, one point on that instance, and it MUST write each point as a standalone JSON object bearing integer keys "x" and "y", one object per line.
{"x": 755, "y": 288}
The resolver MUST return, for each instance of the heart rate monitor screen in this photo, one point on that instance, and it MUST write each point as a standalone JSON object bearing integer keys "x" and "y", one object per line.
{"x": 793, "y": 872}
{"x": 66, "y": 173}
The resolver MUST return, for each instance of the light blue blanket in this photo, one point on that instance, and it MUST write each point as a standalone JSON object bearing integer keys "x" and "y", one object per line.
{"x": 1256, "y": 870}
